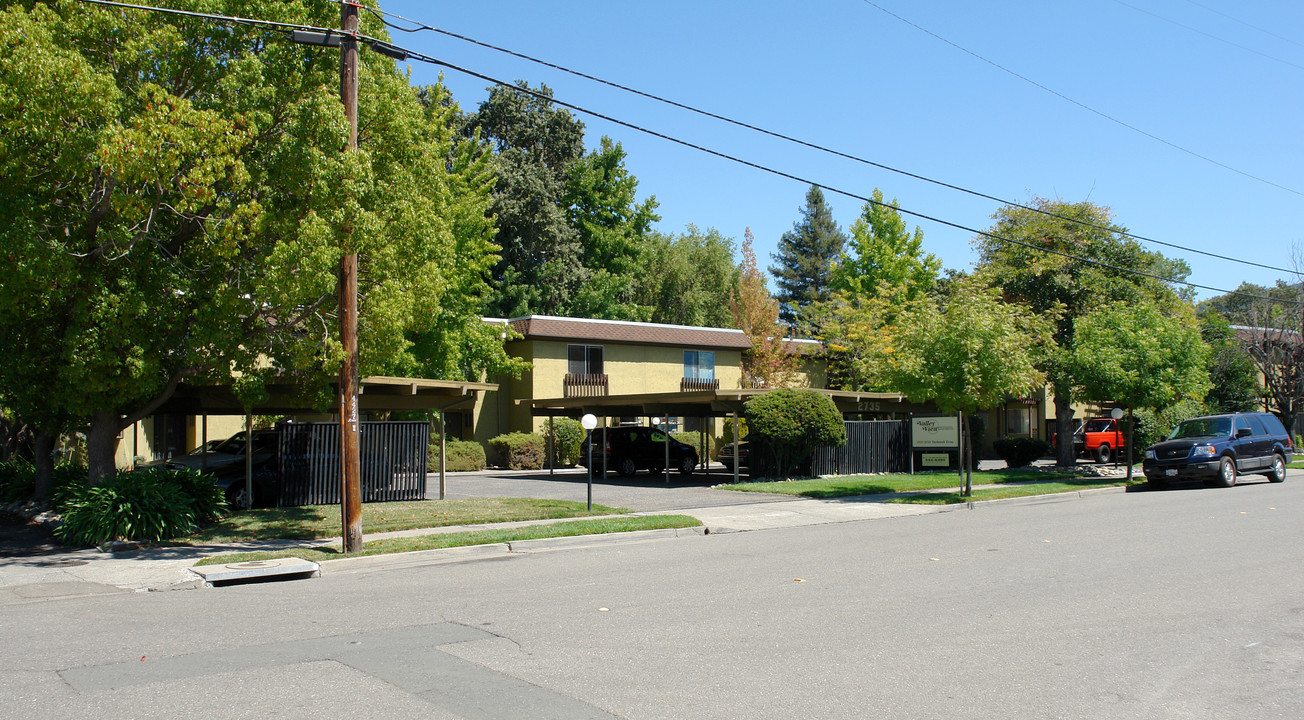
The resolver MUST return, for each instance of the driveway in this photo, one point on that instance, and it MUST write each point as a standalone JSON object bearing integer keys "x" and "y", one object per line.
{"x": 641, "y": 493}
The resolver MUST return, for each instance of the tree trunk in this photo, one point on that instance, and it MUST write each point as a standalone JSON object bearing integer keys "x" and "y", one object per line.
{"x": 102, "y": 446}
{"x": 43, "y": 461}
{"x": 1064, "y": 456}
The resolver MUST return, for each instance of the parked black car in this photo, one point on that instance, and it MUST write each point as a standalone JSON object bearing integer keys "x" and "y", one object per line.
{"x": 1219, "y": 448}
{"x": 630, "y": 449}
{"x": 226, "y": 463}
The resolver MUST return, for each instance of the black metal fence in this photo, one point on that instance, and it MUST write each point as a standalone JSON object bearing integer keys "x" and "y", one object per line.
{"x": 873, "y": 446}
{"x": 393, "y": 459}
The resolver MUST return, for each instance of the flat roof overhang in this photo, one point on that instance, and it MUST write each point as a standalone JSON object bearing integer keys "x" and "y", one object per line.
{"x": 376, "y": 394}
{"x": 704, "y": 403}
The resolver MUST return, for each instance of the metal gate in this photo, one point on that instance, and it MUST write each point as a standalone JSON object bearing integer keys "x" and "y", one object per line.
{"x": 393, "y": 459}
{"x": 873, "y": 446}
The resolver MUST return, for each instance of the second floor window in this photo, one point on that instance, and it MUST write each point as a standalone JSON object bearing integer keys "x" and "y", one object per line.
{"x": 699, "y": 364}
{"x": 584, "y": 359}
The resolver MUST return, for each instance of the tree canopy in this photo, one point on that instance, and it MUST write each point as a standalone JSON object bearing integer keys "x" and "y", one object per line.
{"x": 767, "y": 363}
{"x": 571, "y": 229}
{"x": 804, "y": 263}
{"x": 1067, "y": 259}
{"x": 884, "y": 254}
{"x": 176, "y": 200}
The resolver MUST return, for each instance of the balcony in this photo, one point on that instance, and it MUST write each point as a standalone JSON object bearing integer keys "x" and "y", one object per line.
{"x": 576, "y": 385}
{"x": 698, "y": 384}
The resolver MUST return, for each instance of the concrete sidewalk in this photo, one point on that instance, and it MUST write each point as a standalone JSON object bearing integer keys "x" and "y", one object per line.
{"x": 92, "y": 572}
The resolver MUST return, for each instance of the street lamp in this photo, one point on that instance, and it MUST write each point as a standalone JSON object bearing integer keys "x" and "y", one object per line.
{"x": 1117, "y": 414}
{"x": 588, "y": 422}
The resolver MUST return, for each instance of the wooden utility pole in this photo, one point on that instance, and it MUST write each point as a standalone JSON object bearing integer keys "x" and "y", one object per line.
{"x": 350, "y": 461}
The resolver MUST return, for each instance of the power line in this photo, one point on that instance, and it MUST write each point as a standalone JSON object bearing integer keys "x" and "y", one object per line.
{"x": 1248, "y": 25}
{"x": 1082, "y": 105}
{"x": 780, "y": 173}
{"x": 419, "y": 26}
{"x": 1208, "y": 35}
{"x": 421, "y": 57}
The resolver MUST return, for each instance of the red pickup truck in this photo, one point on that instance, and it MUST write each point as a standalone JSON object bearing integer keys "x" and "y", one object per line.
{"x": 1099, "y": 438}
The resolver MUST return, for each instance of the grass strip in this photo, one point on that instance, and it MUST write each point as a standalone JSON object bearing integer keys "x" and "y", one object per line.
{"x": 476, "y": 537}
{"x": 312, "y": 522}
{"x": 1013, "y": 491}
{"x": 849, "y": 485}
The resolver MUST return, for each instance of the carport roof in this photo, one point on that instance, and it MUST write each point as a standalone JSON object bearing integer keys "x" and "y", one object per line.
{"x": 696, "y": 403}
{"x": 377, "y": 393}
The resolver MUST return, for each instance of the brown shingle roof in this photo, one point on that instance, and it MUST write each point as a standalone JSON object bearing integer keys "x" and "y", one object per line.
{"x": 536, "y": 327}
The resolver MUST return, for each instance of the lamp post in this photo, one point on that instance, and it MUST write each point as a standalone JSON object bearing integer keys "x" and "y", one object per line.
{"x": 1117, "y": 414}
{"x": 588, "y": 422}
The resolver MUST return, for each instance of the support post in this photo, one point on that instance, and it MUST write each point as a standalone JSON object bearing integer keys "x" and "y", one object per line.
{"x": 443, "y": 456}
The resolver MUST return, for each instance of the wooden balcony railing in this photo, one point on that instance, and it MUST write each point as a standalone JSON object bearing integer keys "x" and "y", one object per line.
{"x": 577, "y": 385}
{"x": 692, "y": 384}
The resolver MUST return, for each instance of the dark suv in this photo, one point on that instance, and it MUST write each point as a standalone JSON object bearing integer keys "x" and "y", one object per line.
{"x": 1219, "y": 448}
{"x": 630, "y": 449}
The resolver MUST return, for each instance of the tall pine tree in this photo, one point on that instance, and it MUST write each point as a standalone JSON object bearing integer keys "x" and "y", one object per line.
{"x": 805, "y": 259}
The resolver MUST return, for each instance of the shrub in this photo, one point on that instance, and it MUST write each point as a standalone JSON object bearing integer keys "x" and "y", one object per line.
{"x": 705, "y": 447}
{"x": 789, "y": 424}
{"x": 1155, "y": 425}
{"x": 518, "y": 451}
{"x": 1020, "y": 451}
{"x": 567, "y": 437}
{"x": 18, "y": 481}
{"x": 463, "y": 455}
{"x": 146, "y": 505}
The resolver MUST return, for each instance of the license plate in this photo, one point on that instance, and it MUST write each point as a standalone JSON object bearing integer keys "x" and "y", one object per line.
{"x": 1170, "y": 473}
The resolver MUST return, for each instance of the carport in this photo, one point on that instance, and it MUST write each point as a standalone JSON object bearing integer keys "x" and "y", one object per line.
{"x": 376, "y": 394}
{"x": 704, "y": 404}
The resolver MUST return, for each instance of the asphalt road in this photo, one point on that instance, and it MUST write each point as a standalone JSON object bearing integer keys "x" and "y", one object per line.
{"x": 1177, "y": 604}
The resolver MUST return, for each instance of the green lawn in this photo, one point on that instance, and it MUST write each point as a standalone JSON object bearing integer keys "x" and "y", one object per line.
{"x": 323, "y": 521}
{"x": 477, "y": 537}
{"x": 882, "y": 484}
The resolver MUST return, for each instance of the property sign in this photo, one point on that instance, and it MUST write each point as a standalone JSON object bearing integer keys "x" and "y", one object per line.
{"x": 942, "y": 431}
{"x": 935, "y": 459}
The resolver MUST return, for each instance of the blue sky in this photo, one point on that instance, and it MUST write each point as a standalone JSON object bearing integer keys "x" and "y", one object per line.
{"x": 1215, "y": 78}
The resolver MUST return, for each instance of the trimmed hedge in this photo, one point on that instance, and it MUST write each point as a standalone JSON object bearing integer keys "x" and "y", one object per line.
{"x": 146, "y": 505}
{"x": 1020, "y": 451}
{"x": 789, "y": 424}
{"x": 463, "y": 455}
{"x": 518, "y": 451}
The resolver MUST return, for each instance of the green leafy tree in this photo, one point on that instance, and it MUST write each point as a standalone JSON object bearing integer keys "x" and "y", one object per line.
{"x": 176, "y": 201}
{"x": 884, "y": 254}
{"x": 1063, "y": 268}
{"x": 1136, "y": 356}
{"x": 536, "y": 144}
{"x": 687, "y": 279}
{"x": 804, "y": 264}
{"x": 612, "y": 227}
{"x": 571, "y": 229}
{"x": 967, "y": 353}
{"x": 1232, "y": 376}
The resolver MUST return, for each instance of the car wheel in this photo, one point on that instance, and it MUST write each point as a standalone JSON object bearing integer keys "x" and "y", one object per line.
{"x": 627, "y": 467}
{"x": 237, "y": 496}
{"x": 687, "y": 464}
{"x": 1227, "y": 472}
{"x": 1278, "y": 473}
{"x": 1103, "y": 454}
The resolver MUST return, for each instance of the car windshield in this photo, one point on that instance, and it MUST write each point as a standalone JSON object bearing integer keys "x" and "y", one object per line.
{"x": 1202, "y": 427}
{"x": 1097, "y": 425}
{"x": 233, "y": 445}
